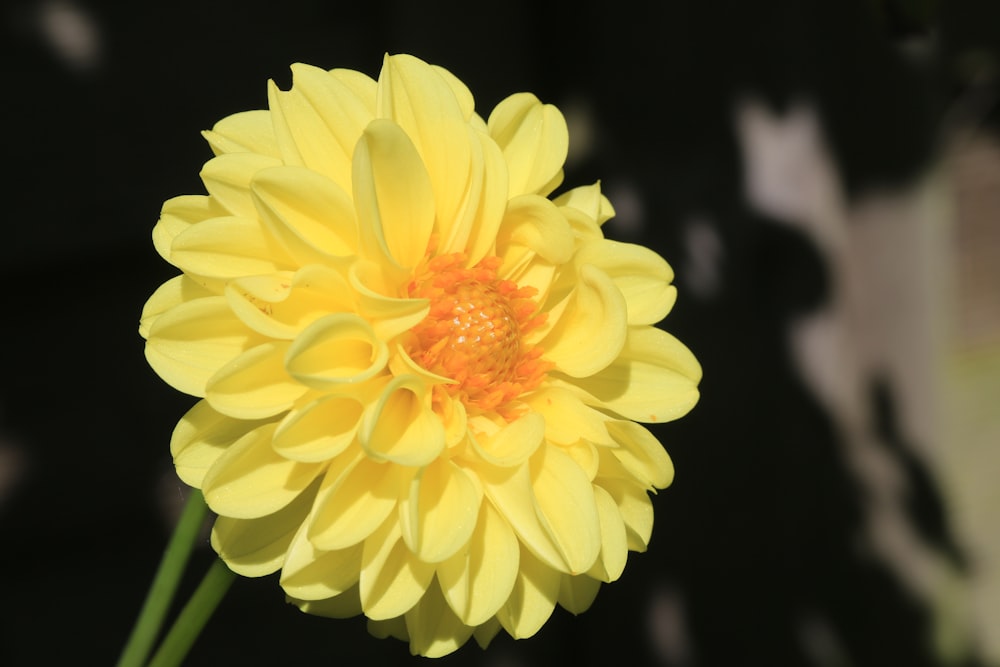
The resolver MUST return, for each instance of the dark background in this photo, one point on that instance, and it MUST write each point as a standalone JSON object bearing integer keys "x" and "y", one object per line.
{"x": 759, "y": 530}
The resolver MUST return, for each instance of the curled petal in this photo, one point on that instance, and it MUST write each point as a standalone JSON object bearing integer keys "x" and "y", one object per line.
{"x": 180, "y": 213}
{"x": 567, "y": 418}
{"x": 251, "y": 480}
{"x": 171, "y": 293}
{"x": 336, "y": 350}
{"x": 534, "y": 140}
{"x": 512, "y": 444}
{"x": 400, "y": 426}
{"x": 256, "y": 547}
{"x": 535, "y": 223}
{"x": 635, "y": 508}
{"x": 389, "y": 315}
{"x": 588, "y": 200}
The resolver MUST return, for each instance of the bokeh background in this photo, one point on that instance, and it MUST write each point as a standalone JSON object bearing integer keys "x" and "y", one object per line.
{"x": 824, "y": 176}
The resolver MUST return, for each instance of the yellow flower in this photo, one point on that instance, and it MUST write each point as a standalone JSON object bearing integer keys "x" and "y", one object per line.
{"x": 419, "y": 375}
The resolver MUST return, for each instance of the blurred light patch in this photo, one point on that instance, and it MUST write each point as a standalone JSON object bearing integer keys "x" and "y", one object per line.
{"x": 668, "y": 631}
{"x": 701, "y": 268}
{"x": 72, "y": 33}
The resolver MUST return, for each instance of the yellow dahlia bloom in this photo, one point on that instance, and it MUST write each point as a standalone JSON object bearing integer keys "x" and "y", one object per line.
{"x": 420, "y": 376}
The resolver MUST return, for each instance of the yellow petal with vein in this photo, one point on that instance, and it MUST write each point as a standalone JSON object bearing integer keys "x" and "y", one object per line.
{"x": 227, "y": 179}
{"x": 635, "y": 508}
{"x": 576, "y": 594}
{"x": 171, "y": 293}
{"x": 433, "y": 628}
{"x": 512, "y": 444}
{"x": 642, "y": 454}
{"x": 642, "y": 276}
{"x": 180, "y": 213}
{"x": 225, "y": 248}
{"x": 564, "y": 502}
{"x": 614, "y": 542}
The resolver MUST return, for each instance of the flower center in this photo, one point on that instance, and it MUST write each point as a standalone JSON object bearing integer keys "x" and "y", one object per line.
{"x": 474, "y": 332}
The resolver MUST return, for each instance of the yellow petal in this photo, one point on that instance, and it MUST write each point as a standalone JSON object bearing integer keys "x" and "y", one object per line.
{"x": 588, "y": 200}
{"x": 490, "y": 176}
{"x": 180, "y": 213}
{"x": 478, "y": 579}
{"x": 535, "y": 223}
{"x": 655, "y": 379}
{"x": 227, "y": 179}
{"x": 229, "y": 247}
{"x": 310, "y": 215}
{"x": 392, "y": 578}
{"x": 533, "y": 598}
{"x": 400, "y": 426}
{"x": 392, "y": 194}
{"x": 255, "y": 385}
{"x": 345, "y": 605}
{"x": 642, "y": 454}
{"x": 534, "y": 140}
{"x": 591, "y": 331}
{"x": 201, "y": 437}
{"x": 171, "y": 293}
{"x": 485, "y": 633}
{"x": 642, "y": 276}
{"x": 191, "y": 341}
{"x": 635, "y": 508}
{"x": 389, "y": 315}
{"x": 256, "y": 547}
{"x": 246, "y": 132}
{"x": 356, "y": 496}
{"x": 567, "y": 419}
{"x": 577, "y": 593}
{"x": 250, "y": 480}
{"x": 320, "y": 430}
{"x": 564, "y": 502}
{"x": 614, "y": 541}
{"x": 311, "y": 574}
{"x": 439, "y": 513}
{"x": 336, "y": 350}
{"x": 433, "y": 628}
{"x": 510, "y": 491}
{"x": 423, "y": 103}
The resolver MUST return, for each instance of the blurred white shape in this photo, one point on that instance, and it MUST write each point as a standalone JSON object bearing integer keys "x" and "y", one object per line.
{"x": 630, "y": 210}
{"x": 72, "y": 32}
{"x": 667, "y": 626}
{"x": 820, "y": 643}
{"x": 701, "y": 268}
{"x": 787, "y": 170}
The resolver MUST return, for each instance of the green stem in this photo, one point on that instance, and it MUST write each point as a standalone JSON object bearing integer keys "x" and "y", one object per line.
{"x": 168, "y": 575}
{"x": 193, "y": 617}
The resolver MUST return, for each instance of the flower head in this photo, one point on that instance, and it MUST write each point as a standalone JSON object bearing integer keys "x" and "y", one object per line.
{"x": 420, "y": 376}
